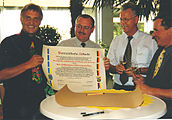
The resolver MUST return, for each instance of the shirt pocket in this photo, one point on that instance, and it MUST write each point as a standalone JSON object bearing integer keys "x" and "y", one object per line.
{"x": 142, "y": 56}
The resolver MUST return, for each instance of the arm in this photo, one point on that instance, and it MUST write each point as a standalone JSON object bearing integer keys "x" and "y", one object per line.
{"x": 167, "y": 93}
{"x": 161, "y": 93}
{"x": 131, "y": 72}
{"x": 14, "y": 71}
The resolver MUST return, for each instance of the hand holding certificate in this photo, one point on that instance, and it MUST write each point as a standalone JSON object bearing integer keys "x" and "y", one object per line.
{"x": 81, "y": 69}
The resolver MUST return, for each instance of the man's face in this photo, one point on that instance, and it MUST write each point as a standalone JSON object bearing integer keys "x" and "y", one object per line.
{"x": 162, "y": 36}
{"x": 128, "y": 21}
{"x": 30, "y": 21}
{"x": 83, "y": 29}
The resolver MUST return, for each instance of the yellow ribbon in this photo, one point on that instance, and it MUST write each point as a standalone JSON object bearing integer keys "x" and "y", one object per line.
{"x": 159, "y": 62}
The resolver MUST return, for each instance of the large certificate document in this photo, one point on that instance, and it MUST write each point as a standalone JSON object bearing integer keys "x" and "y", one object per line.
{"x": 82, "y": 69}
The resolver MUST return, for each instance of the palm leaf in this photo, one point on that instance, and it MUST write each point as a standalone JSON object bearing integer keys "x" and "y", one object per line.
{"x": 146, "y": 7}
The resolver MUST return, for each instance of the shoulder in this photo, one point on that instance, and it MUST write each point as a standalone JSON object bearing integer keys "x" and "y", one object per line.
{"x": 90, "y": 41}
{"x": 146, "y": 38}
{"x": 66, "y": 42}
{"x": 93, "y": 44}
{"x": 10, "y": 39}
{"x": 169, "y": 50}
{"x": 144, "y": 34}
{"x": 8, "y": 44}
{"x": 123, "y": 35}
{"x": 117, "y": 40}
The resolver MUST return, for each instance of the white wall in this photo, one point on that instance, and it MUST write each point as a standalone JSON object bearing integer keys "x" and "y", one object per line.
{"x": 59, "y": 18}
{"x": 10, "y": 22}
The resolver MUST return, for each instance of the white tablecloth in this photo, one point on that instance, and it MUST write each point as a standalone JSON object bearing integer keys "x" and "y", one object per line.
{"x": 53, "y": 110}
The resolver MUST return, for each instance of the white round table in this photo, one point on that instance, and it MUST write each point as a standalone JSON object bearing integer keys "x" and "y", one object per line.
{"x": 50, "y": 108}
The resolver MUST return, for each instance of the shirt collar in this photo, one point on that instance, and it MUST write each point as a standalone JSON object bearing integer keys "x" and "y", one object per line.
{"x": 81, "y": 41}
{"x": 136, "y": 35}
{"x": 27, "y": 34}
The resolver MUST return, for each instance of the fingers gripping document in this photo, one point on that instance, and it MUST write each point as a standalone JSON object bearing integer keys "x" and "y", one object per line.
{"x": 81, "y": 69}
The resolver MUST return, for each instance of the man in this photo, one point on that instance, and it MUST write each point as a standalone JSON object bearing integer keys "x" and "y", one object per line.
{"x": 133, "y": 48}
{"x": 159, "y": 79}
{"x": 20, "y": 68}
{"x": 84, "y": 26}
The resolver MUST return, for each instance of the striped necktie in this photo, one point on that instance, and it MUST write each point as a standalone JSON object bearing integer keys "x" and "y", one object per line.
{"x": 158, "y": 63}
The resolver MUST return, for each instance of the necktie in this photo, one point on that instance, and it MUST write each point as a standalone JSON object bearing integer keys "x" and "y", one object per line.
{"x": 36, "y": 73}
{"x": 127, "y": 60}
{"x": 158, "y": 63}
{"x": 83, "y": 44}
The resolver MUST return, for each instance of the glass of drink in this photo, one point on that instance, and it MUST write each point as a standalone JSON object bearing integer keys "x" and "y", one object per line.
{"x": 122, "y": 61}
{"x": 134, "y": 66}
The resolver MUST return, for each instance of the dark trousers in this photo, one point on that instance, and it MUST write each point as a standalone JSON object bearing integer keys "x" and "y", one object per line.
{"x": 124, "y": 87}
{"x": 22, "y": 110}
{"x": 24, "y": 116}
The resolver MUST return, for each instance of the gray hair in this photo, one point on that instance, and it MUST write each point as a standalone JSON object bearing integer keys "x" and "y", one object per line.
{"x": 33, "y": 7}
{"x": 133, "y": 7}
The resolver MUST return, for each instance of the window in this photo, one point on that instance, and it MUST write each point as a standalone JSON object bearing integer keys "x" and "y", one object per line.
{"x": 55, "y": 14}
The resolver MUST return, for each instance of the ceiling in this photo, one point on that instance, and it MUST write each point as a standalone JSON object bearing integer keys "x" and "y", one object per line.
{"x": 43, "y": 3}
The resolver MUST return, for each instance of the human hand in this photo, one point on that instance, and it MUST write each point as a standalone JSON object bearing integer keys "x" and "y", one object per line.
{"x": 120, "y": 68}
{"x": 106, "y": 63}
{"x": 138, "y": 79}
{"x": 130, "y": 71}
{"x": 35, "y": 61}
{"x": 147, "y": 89}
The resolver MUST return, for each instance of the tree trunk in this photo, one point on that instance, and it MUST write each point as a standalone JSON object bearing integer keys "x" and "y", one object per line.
{"x": 76, "y": 8}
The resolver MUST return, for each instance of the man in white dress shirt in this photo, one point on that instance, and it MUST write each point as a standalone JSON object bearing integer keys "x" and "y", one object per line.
{"x": 84, "y": 26}
{"x": 142, "y": 47}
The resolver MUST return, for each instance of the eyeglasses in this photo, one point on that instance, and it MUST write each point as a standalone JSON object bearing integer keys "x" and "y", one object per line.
{"x": 84, "y": 27}
{"x": 127, "y": 19}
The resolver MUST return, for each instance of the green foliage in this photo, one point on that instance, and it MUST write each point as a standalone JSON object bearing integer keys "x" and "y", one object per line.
{"x": 48, "y": 35}
{"x": 140, "y": 26}
{"x": 145, "y": 7}
{"x": 117, "y": 30}
{"x": 104, "y": 46}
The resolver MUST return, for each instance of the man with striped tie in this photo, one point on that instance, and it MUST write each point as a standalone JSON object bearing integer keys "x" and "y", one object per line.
{"x": 133, "y": 48}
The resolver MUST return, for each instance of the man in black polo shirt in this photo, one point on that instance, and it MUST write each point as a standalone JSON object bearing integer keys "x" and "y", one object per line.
{"x": 159, "y": 78}
{"x": 20, "y": 68}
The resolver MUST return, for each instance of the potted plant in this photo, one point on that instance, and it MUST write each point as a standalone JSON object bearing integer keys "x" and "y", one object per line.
{"x": 49, "y": 35}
